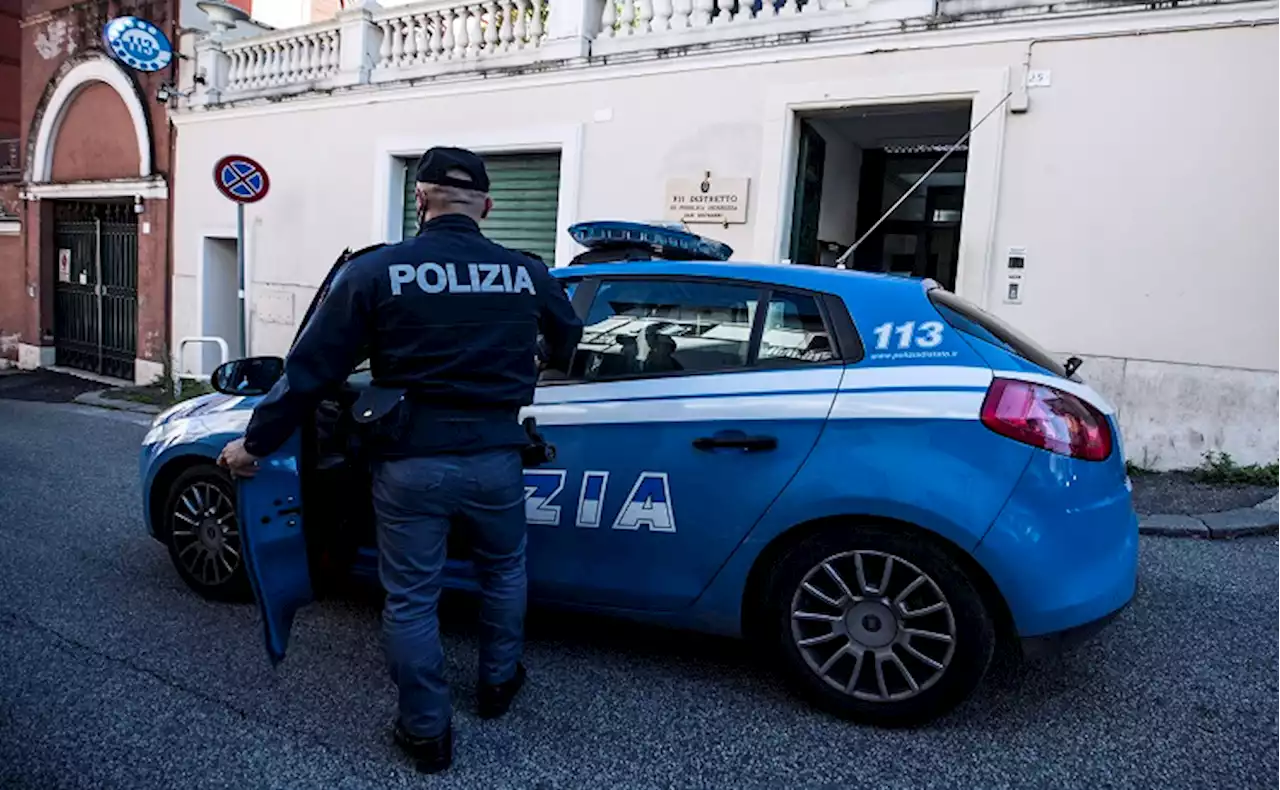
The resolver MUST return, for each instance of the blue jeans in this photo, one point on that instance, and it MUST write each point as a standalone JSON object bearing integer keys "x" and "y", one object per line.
{"x": 417, "y": 501}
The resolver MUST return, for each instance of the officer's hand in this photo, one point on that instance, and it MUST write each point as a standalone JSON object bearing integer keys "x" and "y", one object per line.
{"x": 237, "y": 460}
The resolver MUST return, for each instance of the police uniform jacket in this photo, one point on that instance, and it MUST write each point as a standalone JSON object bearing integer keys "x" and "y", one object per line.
{"x": 448, "y": 315}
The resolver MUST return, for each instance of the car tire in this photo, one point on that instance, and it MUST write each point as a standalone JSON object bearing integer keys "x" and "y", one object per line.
{"x": 856, "y": 650}
{"x": 202, "y": 533}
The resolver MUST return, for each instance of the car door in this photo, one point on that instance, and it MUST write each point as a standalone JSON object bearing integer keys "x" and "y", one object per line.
{"x": 686, "y": 412}
{"x": 273, "y": 534}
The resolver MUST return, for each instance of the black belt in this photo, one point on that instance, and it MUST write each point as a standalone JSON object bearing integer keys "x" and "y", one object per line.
{"x": 393, "y": 422}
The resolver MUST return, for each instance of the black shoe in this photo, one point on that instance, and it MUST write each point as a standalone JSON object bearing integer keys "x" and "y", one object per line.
{"x": 430, "y": 755}
{"x": 493, "y": 701}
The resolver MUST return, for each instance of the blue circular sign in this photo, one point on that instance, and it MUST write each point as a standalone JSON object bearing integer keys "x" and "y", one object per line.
{"x": 241, "y": 179}
{"x": 137, "y": 43}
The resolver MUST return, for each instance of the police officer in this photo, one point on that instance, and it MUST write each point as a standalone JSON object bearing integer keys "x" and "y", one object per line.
{"x": 450, "y": 322}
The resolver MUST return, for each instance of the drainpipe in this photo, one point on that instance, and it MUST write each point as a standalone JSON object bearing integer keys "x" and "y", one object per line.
{"x": 167, "y": 347}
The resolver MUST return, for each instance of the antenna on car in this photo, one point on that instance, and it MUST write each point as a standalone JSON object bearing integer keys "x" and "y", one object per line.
{"x": 840, "y": 262}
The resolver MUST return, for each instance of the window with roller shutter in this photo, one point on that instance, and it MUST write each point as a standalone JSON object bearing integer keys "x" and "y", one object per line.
{"x": 526, "y": 193}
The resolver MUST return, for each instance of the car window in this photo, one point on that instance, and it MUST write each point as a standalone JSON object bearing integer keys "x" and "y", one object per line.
{"x": 638, "y": 328}
{"x": 794, "y": 333}
{"x": 975, "y": 322}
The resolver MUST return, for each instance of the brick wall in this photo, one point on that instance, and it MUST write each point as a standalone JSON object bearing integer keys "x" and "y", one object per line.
{"x": 58, "y": 35}
{"x": 96, "y": 141}
{"x": 13, "y": 295}
{"x": 10, "y": 67}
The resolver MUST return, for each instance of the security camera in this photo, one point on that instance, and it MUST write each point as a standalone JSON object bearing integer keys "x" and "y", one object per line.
{"x": 166, "y": 92}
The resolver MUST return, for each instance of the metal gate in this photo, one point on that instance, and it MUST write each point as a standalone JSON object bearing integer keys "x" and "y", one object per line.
{"x": 95, "y": 311}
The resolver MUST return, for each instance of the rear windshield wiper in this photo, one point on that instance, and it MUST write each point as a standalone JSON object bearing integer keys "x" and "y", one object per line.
{"x": 1073, "y": 364}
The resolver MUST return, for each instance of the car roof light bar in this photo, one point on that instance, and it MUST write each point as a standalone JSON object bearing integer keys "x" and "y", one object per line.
{"x": 663, "y": 240}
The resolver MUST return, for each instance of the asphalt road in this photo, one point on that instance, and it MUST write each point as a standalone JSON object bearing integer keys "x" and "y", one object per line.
{"x": 112, "y": 675}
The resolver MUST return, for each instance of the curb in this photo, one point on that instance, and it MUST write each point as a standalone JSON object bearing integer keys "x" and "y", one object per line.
{"x": 96, "y": 399}
{"x": 1243, "y": 522}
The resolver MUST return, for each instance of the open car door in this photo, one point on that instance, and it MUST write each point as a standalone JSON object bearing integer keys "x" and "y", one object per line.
{"x": 273, "y": 539}
{"x": 273, "y": 536}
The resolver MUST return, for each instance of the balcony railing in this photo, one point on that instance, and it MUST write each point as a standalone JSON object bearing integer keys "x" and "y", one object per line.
{"x": 303, "y": 56}
{"x": 10, "y": 161}
{"x": 439, "y": 32}
{"x": 367, "y": 44}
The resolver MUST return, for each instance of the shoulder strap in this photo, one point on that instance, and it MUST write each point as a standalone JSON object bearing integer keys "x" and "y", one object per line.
{"x": 348, "y": 255}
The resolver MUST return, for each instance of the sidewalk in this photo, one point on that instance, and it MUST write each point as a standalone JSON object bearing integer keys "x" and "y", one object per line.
{"x": 61, "y": 386}
{"x": 96, "y": 398}
{"x": 45, "y": 385}
{"x": 1176, "y": 505}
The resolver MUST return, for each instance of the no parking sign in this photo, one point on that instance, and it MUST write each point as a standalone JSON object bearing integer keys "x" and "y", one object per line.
{"x": 241, "y": 180}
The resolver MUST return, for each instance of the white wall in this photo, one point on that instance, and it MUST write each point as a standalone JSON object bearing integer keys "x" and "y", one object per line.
{"x": 1142, "y": 183}
{"x": 838, "y": 218}
{"x": 219, "y": 304}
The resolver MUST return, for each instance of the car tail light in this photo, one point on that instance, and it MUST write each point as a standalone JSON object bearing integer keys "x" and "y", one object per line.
{"x": 1048, "y": 418}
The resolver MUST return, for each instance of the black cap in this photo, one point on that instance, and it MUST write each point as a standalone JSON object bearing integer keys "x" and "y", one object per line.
{"x": 434, "y": 167}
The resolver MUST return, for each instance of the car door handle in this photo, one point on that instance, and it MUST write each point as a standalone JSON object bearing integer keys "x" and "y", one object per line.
{"x": 736, "y": 441}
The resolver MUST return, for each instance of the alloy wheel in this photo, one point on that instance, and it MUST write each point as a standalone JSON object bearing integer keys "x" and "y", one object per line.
{"x": 206, "y": 535}
{"x": 873, "y": 626}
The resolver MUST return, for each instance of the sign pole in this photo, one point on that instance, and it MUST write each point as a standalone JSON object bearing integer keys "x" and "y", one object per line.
{"x": 241, "y": 180}
{"x": 244, "y": 325}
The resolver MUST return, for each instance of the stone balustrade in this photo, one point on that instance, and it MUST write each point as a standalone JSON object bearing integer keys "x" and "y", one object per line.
{"x": 456, "y": 31}
{"x": 643, "y": 17}
{"x": 366, "y": 43}
{"x": 632, "y": 25}
{"x": 294, "y": 57}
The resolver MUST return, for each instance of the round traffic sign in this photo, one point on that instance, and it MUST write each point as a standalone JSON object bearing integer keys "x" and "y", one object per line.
{"x": 137, "y": 43}
{"x": 241, "y": 179}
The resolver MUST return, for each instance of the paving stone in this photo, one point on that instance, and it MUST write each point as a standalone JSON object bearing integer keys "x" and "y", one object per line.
{"x": 1272, "y": 504}
{"x": 102, "y": 402}
{"x": 1241, "y": 522}
{"x": 1172, "y": 525}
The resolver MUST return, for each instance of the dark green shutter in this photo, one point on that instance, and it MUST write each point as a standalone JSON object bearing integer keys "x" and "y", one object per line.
{"x": 410, "y": 226}
{"x": 526, "y": 193}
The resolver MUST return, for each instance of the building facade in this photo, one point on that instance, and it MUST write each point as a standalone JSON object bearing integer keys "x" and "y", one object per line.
{"x": 1116, "y": 198}
{"x": 10, "y": 175}
{"x": 86, "y": 163}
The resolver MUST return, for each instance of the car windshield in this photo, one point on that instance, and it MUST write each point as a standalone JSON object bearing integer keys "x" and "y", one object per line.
{"x": 975, "y": 322}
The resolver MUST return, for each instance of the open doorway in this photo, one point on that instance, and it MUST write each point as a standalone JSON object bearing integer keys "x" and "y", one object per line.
{"x": 853, "y": 164}
{"x": 220, "y": 304}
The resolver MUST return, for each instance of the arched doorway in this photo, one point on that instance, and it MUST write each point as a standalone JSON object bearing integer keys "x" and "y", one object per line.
{"x": 90, "y": 176}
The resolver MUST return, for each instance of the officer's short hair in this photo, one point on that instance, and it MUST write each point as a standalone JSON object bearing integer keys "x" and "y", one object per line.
{"x": 437, "y": 196}
{"x": 452, "y": 180}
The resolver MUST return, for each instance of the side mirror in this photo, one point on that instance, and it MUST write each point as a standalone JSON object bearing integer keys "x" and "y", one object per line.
{"x": 252, "y": 376}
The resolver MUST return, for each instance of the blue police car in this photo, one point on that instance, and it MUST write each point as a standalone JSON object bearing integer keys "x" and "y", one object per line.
{"x": 869, "y": 476}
